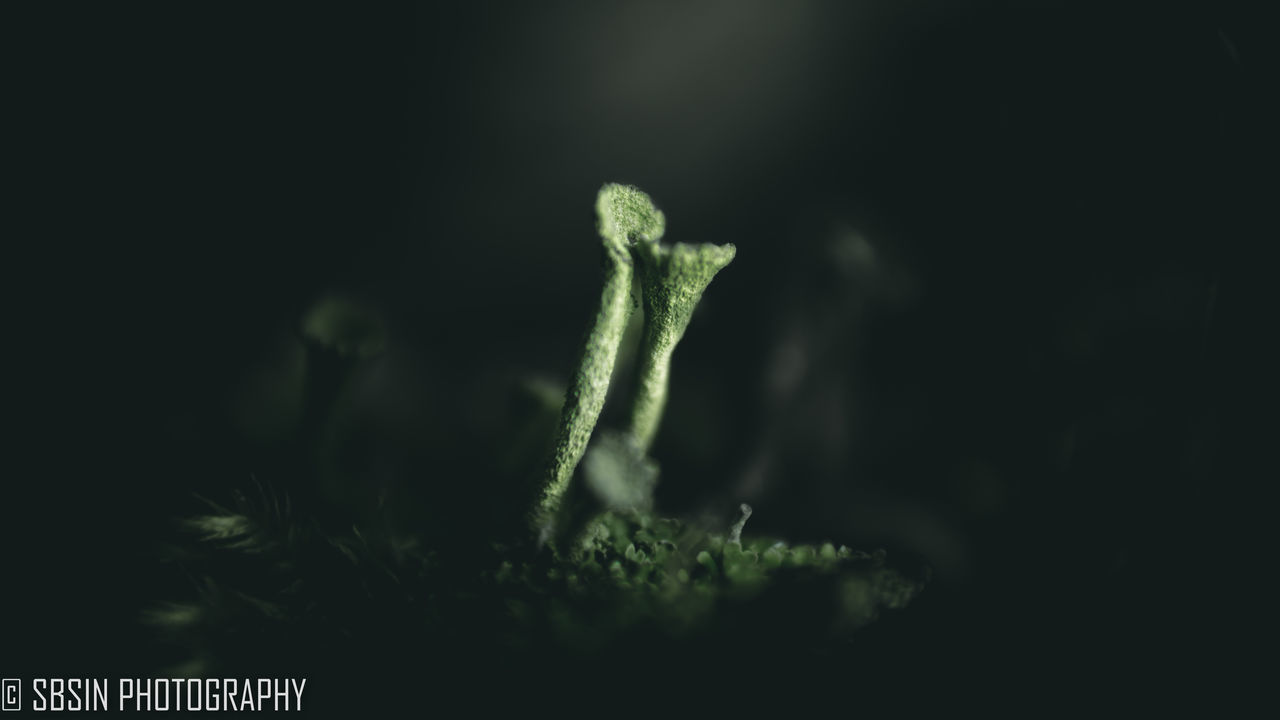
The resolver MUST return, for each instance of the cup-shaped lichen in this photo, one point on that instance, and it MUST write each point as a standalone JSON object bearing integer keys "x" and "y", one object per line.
{"x": 626, "y": 217}
{"x": 673, "y": 279}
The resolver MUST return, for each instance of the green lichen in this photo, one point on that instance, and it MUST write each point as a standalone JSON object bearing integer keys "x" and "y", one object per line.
{"x": 618, "y": 573}
{"x": 673, "y": 280}
{"x": 626, "y": 217}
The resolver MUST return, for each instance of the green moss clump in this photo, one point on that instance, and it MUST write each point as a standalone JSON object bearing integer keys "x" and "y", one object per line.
{"x": 637, "y": 570}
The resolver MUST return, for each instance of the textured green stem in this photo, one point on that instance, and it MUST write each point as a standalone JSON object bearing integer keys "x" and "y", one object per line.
{"x": 673, "y": 279}
{"x": 626, "y": 216}
{"x": 586, "y": 395}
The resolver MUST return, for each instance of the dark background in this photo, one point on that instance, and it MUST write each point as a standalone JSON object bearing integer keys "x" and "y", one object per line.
{"x": 981, "y": 314}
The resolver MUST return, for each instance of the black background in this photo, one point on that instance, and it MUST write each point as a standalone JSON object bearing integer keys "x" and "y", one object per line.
{"x": 1031, "y": 395}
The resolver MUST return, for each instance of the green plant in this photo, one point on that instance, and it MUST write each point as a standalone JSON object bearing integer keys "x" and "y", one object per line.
{"x": 626, "y": 217}
{"x": 664, "y": 568}
{"x": 673, "y": 279}
{"x": 614, "y": 575}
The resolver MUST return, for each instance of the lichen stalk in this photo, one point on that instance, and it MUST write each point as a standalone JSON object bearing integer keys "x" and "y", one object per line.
{"x": 626, "y": 216}
{"x": 673, "y": 280}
